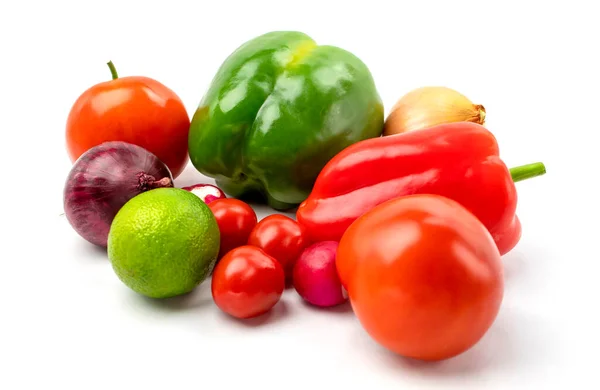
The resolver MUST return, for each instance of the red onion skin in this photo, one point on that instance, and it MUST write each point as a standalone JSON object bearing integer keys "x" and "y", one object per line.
{"x": 103, "y": 179}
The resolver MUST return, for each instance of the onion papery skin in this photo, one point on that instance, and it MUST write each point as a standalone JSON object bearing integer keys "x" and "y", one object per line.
{"x": 103, "y": 179}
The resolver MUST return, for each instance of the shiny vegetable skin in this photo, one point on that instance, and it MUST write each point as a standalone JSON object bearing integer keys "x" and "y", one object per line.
{"x": 236, "y": 219}
{"x": 247, "y": 282}
{"x": 278, "y": 109}
{"x": 457, "y": 160}
{"x": 424, "y": 276}
{"x": 133, "y": 109}
{"x": 280, "y": 237}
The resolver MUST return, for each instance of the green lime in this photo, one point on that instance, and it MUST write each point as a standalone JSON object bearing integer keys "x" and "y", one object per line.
{"x": 163, "y": 242}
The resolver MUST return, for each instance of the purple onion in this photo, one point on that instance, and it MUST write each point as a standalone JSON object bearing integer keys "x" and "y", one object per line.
{"x": 103, "y": 179}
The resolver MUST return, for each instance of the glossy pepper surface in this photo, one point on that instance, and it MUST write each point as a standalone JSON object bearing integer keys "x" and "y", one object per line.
{"x": 458, "y": 160}
{"x": 278, "y": 109}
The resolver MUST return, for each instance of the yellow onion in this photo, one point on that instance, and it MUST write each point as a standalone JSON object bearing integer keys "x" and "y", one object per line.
{"x": 429, "y": 106}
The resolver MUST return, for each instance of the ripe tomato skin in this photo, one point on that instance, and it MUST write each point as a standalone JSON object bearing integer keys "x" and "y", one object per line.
{"x": 236, "y": 219}
{"x": 247, "y": 282}
{"x": 425, "y": 277}
{"x": 134, "y": 109}
{"x": 282, "y": 238}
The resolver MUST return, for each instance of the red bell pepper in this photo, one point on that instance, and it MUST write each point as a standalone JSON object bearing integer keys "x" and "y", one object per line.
{"x": 457, "y": 160}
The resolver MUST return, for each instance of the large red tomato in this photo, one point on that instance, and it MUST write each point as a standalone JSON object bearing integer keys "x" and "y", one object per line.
{"x": 138, "y": 110}
{"x": 424, "y": 276}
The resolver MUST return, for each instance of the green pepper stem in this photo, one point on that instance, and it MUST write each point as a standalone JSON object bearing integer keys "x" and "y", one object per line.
{"x": 524, "y": 172}
{"x": 113, "y": 70}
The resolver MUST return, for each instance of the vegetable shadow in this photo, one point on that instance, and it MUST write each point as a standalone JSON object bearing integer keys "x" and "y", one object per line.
{"x": 277, "y": 313}
{"x": 191, "y": 176}
{"x": 518, "y": 266}
{"x": 91, "y": 251}
{"x": 256, "y": 200}
{"x": 341, "y": 309}
{"x": 500, "y": 350}
{"x": 197, "y": 298}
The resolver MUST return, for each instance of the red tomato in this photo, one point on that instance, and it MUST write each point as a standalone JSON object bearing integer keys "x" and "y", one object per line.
{"x": 236, "y": 219}
{"x": 425, "y": 277}
{"x": 247, "y": 282}
{"x": 282, "y": 238}
{"x": 138, "y": 110}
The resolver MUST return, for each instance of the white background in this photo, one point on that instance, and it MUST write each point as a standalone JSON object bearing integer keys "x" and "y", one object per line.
{"x": 68, "y": 322}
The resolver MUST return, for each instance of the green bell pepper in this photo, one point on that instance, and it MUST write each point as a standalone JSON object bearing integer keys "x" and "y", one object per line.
{"x": 279, "y": 108}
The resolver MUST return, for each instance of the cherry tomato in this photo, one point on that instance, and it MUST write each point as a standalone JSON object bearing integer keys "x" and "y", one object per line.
{"x": 236, "y": 219}
{"x": 425, "y": 277}
{"x": 247, "y": 282}
{"x": 138, "y": 110}
{"x": 282, "y": 238}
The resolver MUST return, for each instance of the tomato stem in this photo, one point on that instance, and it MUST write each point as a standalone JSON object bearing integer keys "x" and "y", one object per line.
{"x": 527, "y": 171}
{"x": 113, "y": 70}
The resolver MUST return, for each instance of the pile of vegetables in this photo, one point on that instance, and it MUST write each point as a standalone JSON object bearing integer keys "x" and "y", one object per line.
{"x": 404, "y": 217}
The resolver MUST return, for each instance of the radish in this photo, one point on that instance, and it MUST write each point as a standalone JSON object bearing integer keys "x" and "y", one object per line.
{"x": 206, "y": 192}
{"x": 315, "y": 275}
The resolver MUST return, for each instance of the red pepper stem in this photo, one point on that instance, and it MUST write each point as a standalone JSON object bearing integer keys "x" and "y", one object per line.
{"x": 524, "y": 172}
{"x": 113, "y": 70}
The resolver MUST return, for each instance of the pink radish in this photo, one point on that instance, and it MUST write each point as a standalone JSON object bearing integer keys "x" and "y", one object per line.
{"x": 206, "y": 192}
{"x": 315, "y": 275}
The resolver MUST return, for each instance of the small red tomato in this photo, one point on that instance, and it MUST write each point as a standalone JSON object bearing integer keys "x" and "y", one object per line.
{"x": 236, "y": 219}
{"x": 247, "y": 282}
{"x": 282, "y": 238}
{"x": 424, "y": 276}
